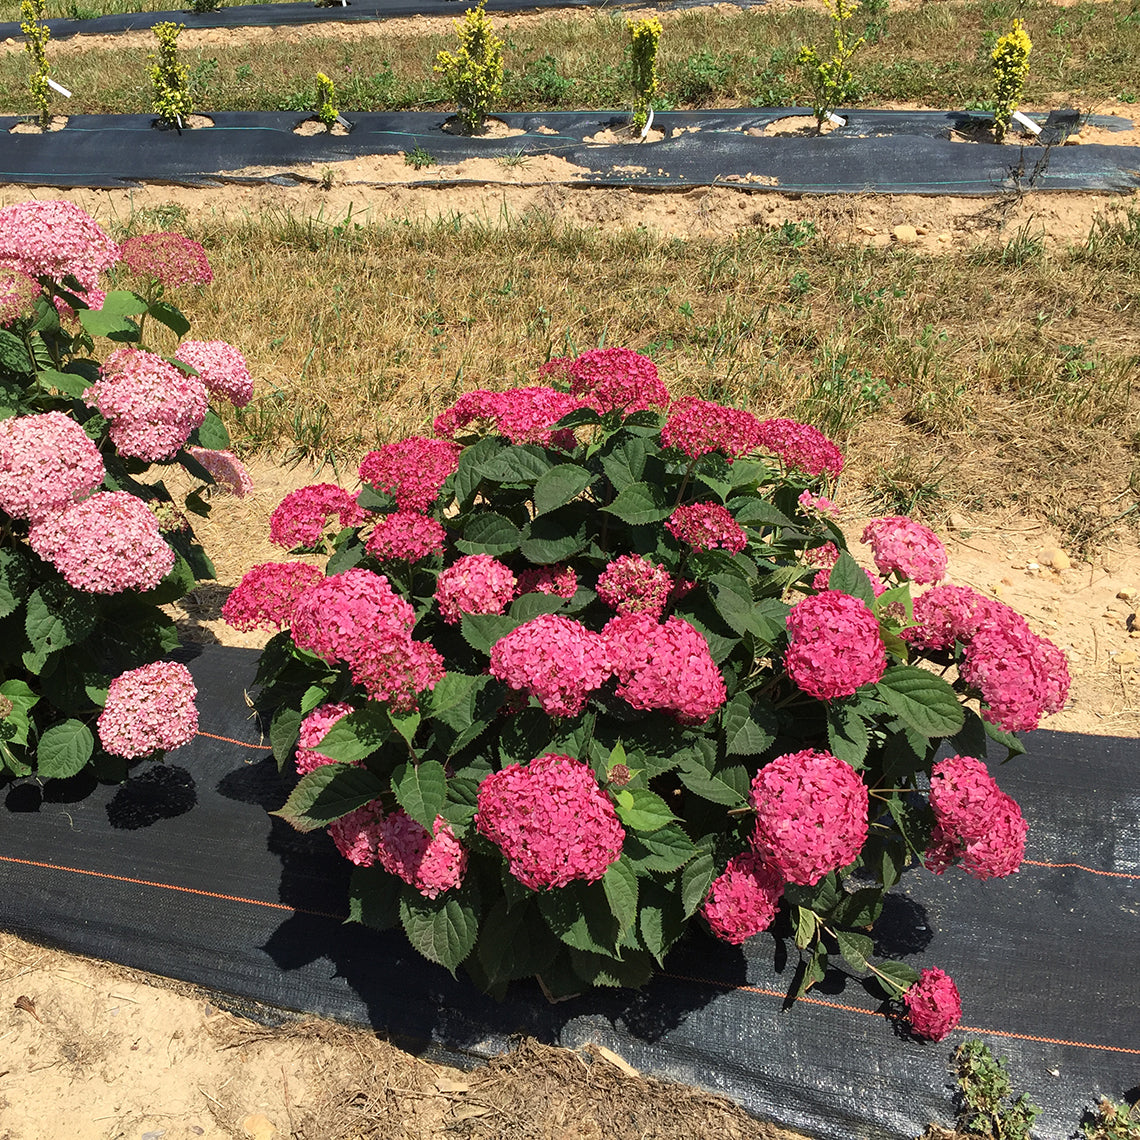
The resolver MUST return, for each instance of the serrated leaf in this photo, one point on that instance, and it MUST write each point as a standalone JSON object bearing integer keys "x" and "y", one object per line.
{"x": 815, "y": 970}
{"x": 481, "y": 631}
{"x": 579, "y": 915}
{"x": 807, "y": 926}
{"x": 489, "y": 533}
{"x": 15, "y": 580}
{"x": 115, "y": 326}
{"x": 971, "y": 739}
{"x": 170, "y": 316}
{"x": 620, "y": 884}
{"x": 750, "y": 511}
{"x": 847, "y": 735}
{"x": 58, "y": 616}
{"x": 559, "y": 486}
{"x": 900, "y": 973}
{"x": 921, "y": 700}
{"x": 513, "y": 943}
{"x": 65, "y": 382}
{"x": 556, "y": 536}
{"x": 443, "y": 930}
{"x": 358, "y": 735}
{"x": 696, "y": 879}
{"x": 212, "y": 433}
{"x": 718, "y": 787}
{"x": 855, "y": 948}
{"x": 849, "y": 577}
{"x": 522, "y": 463}
{"x": 64, "y": 749}
{"x": 625, "y": 464}
{"x": 284, "y": 733}
{"x": 421, "y": 790}
{"x": 374, "y": 898}
{"x": 666, "y": 850}
{"x": 750, "y": 727}
{"x": 640, "y": 503}
{"x": 642, "y": 810}
{"x": 1013, "y": 745}
{"x": 327, "y": 793}
{"x": 530, "y": 606}
{"x": 405, "y": 724}
{"x": 14, "y": 354}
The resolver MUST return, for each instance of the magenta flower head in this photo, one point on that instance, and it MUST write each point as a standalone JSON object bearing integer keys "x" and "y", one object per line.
{"x": 474, "y": 584}
{"x": 406, "y": 536}
{"x": 149, "y": 710}
{"x": 266, "y": 595}
{"x": 56, "y": 239}
{"x": 611, "y": 379}
{"x": 800, "y": 447}
{"x": 834, "y": 645}
{"x": 412, "y": 471}
{"x": 47, "y": 462}
{"x": 743, "y": 901}
{"x": 631, "y": 584}
{"x": 221, "y": 367}
{"x": 933, "y": 1005}
{"x": 811, "y": 815}
{"x": 705, "y": 525}
{"x": 431, "y": 861}
{"x": 169, "y": 258}
{"x": 558, "y": 581}
{"x": 906, "y": 548}
{"x": 697, "y": 427}
{"x": 301, "y": 517}
{"x": 551, "y": 820}
{"x": 523, "y": 415}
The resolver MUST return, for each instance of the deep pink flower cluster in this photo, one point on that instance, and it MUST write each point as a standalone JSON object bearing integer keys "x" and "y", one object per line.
{"x": 406, "y": 535}
{"x": 55, "y": 239}
{"x": 148, "y": 710}
{"x": 551, "y": 821}
{"x": 221, "y": 367}
{"x": 46, "y": 462}
{"x": 906, "y": 548}
{"x": 226, "y": 469}
{"x": 834, "y": 645}
{"x": 631, "y": 584}
{"x": 819, "y": 503}
{"x": 976, "y": 824}
{"x": 357, "y": 834}
{"x": 432, "y": 862}
{"x": 743, "y": 901}
{"x": 169, "y": 258}
{"x": 412, "y": 470}
{"x": 266, "y": 595}
{"x": 313, "y": 730}
{"x": 933, "y": 1004}
{"x": 560, "y": 581}
{"x": 301, "y": 517}
{"x": 705, "y": 525}
{"x": 666, "y": 667}
{"x": 474, "y": 584}
{"x": 609, "y": 379}
{"x": 523, "y": 415}
{"x": 811, "y": 814}
{"x": 946, "y": 614}
{"x": 801, "y": 447}
{"x": 554, "y": 659}
{"x": 105, "y": 544}
{"x": 151, "y": 405}
{"x": 18, "y": 293}
{"x": 696, "y": 427}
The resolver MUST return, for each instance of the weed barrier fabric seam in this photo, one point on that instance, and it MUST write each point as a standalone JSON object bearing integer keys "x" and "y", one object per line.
{"x": 1045, "y": 960}
{"x": 878, "y": 151}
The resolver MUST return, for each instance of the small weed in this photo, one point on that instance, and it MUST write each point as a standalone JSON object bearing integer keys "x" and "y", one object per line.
{"x": 418, "y": 157}
{"x": 243, "y": 73}
{"x": 76, "y": 12}
{"x": 1112, "y": 1121}
{"x": 905, "y": 488}
{"x": 800, "y": 284}
{"x": 328, "y": 178}
{"x": 200, "y": 77}
{"x": 986, "y": 1097}
{"x": 795, "y": 234}
{"x": 515, "y": 158}
{"x": 202, "y": 7}
{"x": 841, "y": 396}
{"x": 700, "y": 77}
{"x": 541, "y": 81}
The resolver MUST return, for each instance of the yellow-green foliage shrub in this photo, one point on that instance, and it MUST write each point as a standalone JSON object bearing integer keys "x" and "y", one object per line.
{"x": 473, "y": 76}
{"x": 36, "y": 36}
{"x": 1011, "y": 68}
{"x": 172, "y": 102}
{"x": 831, "y": 80}
{"x": 644, "y": 37}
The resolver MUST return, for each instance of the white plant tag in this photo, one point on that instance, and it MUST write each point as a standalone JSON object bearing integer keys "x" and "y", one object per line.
{"x": 648, "y": 123}
{"x": 56, "y": 87}
{"x": 838, "y": 120}
{"x": 1026, "y": 122}
{"x": 343, "y": 121}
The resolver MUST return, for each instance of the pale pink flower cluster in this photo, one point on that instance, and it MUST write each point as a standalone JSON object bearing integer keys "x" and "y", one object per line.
{"x": 314, "y": 728}
{"x": 933, "y": 1004}
{"x": 826, "y": 555}
{"x": 946, "y": 614}
{"x": 301, "y": 517}
{"x": 169, "y": 258}
{"x": 152, "y": 406}
{"x": 46, "y": 462}
{"x": 412, "y": 470}
{"x": 800, "y": 447}
{"x": 221, "y": 367}
{"x": 631, "y": 584}
{"x": 834, "y": 645}
{"x": 705, "y": 525}
{"x": 225, "y": 468}
{"x": 818, "y": 503}
{"x": 560, "y": 581}
{"x": 551, "y": 820}
{"x": 666, "y": 667}
{"x": 554, "y": 659}
{"x": 744, "y": 899}
{"x": 811, "y": 814}
{"x": 696, "y": 427}
{"x": 432, "y": 862}
{"x": 406, "y": 535}
{"x": 523, "y": 415}
{"x": 105, "y": 544}
{"x": 474, "y": 584}
{"x": 906, "y": 548}
{"x": 18, "y": 293}
{"x": 266, "y": 595}
{"x": 611, "y": 379}
{"x": 357, "y": 833}
{"x": 56, "y": 239}
{"x": 149, "y": 710}
{"x": 976, "y": 825}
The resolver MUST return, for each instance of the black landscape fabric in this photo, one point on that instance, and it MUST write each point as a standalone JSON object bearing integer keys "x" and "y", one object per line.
{"x": 182, "y": 872}
{"x": 877, "y": 151}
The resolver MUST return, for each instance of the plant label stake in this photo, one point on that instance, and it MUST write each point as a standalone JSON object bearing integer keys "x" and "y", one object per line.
{"x": 838, "y": 120}
{"x": 58, "y": 87}
{"x": 1018, "y": 117}
{"x": 648, "y": 123}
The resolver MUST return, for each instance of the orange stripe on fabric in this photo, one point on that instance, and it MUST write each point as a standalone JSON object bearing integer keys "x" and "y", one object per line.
{"x": 1081, "y": 867}
{"x": 169, "y": 887}
{"x": 230, "y": 740}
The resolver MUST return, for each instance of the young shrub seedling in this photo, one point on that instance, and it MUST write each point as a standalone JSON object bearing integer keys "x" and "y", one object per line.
{"x": 831, "y": 80}
{"x": 1011, "y": 67}
{"x": 326, "y": 112}
{"x": 473, "y": 76}
{"x": 36, "y": 36}
{"x": 644, "y": 37}
{"x": 172, "y": 101}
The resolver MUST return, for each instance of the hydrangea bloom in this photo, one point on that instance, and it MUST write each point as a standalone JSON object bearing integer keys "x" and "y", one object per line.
{"x": 906, "y": 548}
{"x": 151, "y": 405}
{"x": 169, "y": 258}
{"x": 743, "y": 901}
{"x": 560, "y": 581}
{"x": 432, "y": 862}
{"x": 46, "y": 462}
{"x": 313, "y": 730}
{"x": 221, "y": 367}
{"x": 834, "y": 645}
{"x": 105, "y": 544}
{"x": 357, "y": 834}
{"x": 631, "y": 584}
{"x": 301, "y": 517}
{"x": 976, "y": 824}
{"x": 811, "y": 814}
{"x": 551, "y": 821}
{"x": 523, "y": 415}
{"x": 1021, "y": 677}
{"x": 225, "y": 468}
{"x": 696, "y": 427}
{"x": 148, "y": 710}
{"x": 406, "y": 535}
{"x": 705, "y": 525}
{"x": 609, "y": 379}
{"x": 801, "y": 447}
{"x": 266, "y": 595}
{"x": 475, "y": 584}
{"x": 18, "y": 293}
{"x": 397, "y": 670}
{"x": 412, "y": 471}
{"x": 55, "y": 239}
{"x": 945, "y": 614}
{"x": 554, "y": 659}
{"x": 933, "y": 1004}
{"x": 819, "y": 503}
{"x": 667, "y": 667}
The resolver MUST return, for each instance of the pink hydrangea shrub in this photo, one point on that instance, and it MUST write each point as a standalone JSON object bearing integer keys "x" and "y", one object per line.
{"x": 54, "y": 239}
{"x": 301, "y": 517}
{"x": 221, "y": 367}
{"x": 169, "y": 258}
{"x": 933, "y": 1004}
{"x": 697, "y": 427}
{"x": 412, "y": 471}
{"x": 432, "y": 862}
{"x": 474, "y": 584}
{"x": 406, "y": 535}
{"x": 945, "y": 614}
{"x": 800, "y": 447}
{"x": 313, "y": 730}
{"x": 906, "y": 548}
{"x": 834, "y": 645}
{"x": 551, "y": 820}
{"x": 357, "y": 834}
{"x": 1021, "y": 677}
{"x": 150, "y": 709}
{"x": 744, "y": 899}
{"x": 523, "y": 415}
{"x": 611, "y": 379}
{"x": 631, "y": 584}
{"x": 266, "y": 595}
{"x": 46, "y": 462}
{"x": 559, "y": 581}
{"x": 397, "y": 669}
{"x": 225, "y": 468}
{"x": 811, "y": 814}
{"x": 705, "y": 525}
